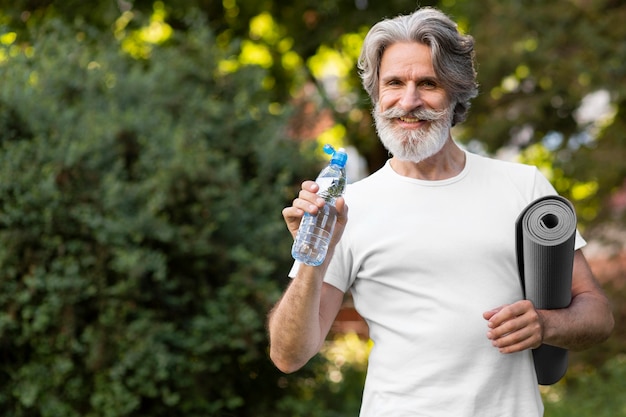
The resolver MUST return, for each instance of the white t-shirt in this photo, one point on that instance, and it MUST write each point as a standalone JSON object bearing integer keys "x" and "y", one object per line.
{"x": 424, "y": 260}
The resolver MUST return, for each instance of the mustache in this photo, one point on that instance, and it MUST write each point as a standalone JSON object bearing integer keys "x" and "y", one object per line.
{"x": 421, "y": 114}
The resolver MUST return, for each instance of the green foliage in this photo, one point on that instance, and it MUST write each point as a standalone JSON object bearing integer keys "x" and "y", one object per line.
{"x": 538, "y": 64}
{"x": 140, "y": 229}
{"x": 598, "y": 393}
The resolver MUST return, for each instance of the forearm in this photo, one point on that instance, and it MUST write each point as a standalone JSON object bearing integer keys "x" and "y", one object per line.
{"x": 300, "y": 321}
{"x": 587, "y": 321}
{"x": 294, "y": 324}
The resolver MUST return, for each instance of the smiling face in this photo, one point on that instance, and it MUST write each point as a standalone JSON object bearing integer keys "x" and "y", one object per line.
{"x": 413, "y": 114}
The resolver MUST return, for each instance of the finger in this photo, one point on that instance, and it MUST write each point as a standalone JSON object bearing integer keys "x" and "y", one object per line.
{"x": 308, "y": 197}
{"x": 523, "y": 332}
{"x": 304, "y": 206}
{"x": 342, "y": 209}
{"x": 509, "y": 312}
{"x": 307, "y": 202}
{"x": 292, "y": 213}
{"x": 520, "y": 344}
{"x": 310, "y": 186}
{"x": 522, "y": 339}
{"x": 510, "y": 331}
{"x": 489, "y": 314}
{"x": 513, "y": 324}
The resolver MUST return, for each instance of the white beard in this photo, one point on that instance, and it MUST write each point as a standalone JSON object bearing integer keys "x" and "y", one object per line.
{"x": 417, "y": 144}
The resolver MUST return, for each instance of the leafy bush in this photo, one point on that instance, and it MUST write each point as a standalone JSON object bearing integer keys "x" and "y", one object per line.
{"x": 598, "y": 393}
{"x": 140, "y": 229}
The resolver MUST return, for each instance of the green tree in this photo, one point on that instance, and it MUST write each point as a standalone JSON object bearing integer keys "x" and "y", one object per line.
{"x": 140, "y": 228}
{"x": 540, "y": 64}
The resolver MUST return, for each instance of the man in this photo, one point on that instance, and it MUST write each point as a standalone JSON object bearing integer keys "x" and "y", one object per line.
{"x": 429, "y": 250}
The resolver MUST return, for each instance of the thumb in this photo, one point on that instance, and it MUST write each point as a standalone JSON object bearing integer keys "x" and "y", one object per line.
{"x": 342, "y": 210}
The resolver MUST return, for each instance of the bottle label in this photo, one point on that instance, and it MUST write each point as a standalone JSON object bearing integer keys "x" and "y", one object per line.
{"x": 330, "y": 187}
{"x": 325, "y": 183}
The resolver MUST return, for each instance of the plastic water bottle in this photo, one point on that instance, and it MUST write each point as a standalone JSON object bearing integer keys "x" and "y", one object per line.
{"x": 315, "y": 232}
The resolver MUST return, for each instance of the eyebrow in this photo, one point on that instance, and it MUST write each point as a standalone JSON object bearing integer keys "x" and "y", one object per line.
{"x": 392, "y": 77}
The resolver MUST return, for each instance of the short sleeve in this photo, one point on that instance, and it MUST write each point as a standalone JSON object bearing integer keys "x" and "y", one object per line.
{"x": 543, "y": 187}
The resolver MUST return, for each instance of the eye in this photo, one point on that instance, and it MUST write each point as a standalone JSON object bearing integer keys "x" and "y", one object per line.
{"x": 394, "y": 82}
{"x": 428, "y": 84}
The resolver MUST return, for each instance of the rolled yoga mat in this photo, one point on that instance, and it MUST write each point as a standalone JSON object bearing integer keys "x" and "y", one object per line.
{"x": 546, "y": 233}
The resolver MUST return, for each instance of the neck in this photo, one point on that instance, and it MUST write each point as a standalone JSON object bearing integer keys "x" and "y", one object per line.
{"x": 447, "y": 163}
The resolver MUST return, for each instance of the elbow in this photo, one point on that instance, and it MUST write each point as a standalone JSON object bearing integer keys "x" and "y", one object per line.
{"x": 602, "y": 334}
{"x": 602, "y": 330}
{"x": 609, "y": 326}
{"x": 285, "y": 363}
{"x": 286, "y": 367}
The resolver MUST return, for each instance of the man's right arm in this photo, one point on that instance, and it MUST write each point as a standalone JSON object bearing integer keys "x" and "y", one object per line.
{"x": 301, "y": 320}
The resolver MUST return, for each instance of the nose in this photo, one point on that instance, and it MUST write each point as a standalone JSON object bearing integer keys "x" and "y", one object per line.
{"x": 411, "y": 98}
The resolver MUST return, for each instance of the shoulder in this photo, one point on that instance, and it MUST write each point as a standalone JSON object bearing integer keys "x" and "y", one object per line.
{"x": 509, "y": 177}
{"x": 514, "y": 173}
{"x": 509, "y": 168}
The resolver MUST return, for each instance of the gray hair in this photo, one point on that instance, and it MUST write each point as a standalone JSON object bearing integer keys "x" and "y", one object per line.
{"x": 452, "y": 54}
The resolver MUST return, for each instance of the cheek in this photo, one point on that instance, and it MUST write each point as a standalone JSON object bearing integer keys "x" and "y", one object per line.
{"x": 438, "y": 101}
{"x": 385, "y": 102}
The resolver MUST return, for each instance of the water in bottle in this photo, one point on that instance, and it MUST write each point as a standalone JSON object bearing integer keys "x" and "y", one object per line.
{"x": 315, "y": 232}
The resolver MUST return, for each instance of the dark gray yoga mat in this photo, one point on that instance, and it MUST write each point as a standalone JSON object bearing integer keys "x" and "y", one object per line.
{"x": 546, "y": 233}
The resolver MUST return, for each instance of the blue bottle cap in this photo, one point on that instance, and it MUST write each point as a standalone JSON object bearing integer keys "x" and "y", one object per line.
{"x": 339, "y": 156}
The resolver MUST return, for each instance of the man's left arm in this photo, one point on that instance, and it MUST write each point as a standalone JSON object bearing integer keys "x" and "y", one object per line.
{"x": 587, "y": 321}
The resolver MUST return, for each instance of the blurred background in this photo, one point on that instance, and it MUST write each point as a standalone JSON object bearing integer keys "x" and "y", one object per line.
{"x": 147, "y": 149}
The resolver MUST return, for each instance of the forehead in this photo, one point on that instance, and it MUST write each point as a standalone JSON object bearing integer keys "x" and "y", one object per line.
{"x": 407, "y": 59}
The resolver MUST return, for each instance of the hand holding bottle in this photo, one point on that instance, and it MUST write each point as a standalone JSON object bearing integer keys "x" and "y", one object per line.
{"x": 318, "y": 204}
{"x": 309, "y": 202}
